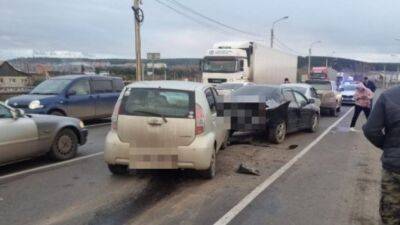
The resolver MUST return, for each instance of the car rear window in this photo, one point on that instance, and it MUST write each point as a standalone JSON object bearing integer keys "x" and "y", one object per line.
{"x": 158, "y": 102}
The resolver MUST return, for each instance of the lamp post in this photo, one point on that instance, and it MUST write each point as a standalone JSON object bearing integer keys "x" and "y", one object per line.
{"x": 309, "y": 55}
{"x": 273, "y": 26}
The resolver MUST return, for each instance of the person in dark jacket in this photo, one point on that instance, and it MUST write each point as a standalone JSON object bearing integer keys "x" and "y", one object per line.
{"x": 383, "y": 130}
{"x": 369, "y": 84}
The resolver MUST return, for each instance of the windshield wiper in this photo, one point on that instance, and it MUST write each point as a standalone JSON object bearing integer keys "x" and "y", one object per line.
{"x": 153, "y": 113}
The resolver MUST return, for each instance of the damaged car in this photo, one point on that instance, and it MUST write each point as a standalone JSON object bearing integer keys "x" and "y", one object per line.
{"x": 273, "y": 110}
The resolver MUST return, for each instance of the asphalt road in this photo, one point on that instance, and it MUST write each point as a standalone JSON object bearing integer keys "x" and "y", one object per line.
{"x": 334, "y": 183}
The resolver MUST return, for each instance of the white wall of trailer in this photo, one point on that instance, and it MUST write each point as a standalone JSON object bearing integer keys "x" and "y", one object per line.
{"x": 271, "y": 66}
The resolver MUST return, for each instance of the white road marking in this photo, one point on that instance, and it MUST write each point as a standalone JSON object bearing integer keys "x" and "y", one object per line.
{"x": 232, "y": 213}
{"x": 37, "y": 169}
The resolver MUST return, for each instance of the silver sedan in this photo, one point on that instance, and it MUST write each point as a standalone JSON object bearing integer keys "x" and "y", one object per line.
{"x": 26, "y": 136}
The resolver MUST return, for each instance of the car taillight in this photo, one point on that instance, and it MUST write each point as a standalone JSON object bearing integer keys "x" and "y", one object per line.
{"x": 114, "y": 117}
{"x": 200, "y": 120}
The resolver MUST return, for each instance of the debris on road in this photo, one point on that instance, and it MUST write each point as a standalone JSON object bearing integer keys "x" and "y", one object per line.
{"x": 245, "y": 169}
{"x": 291, "y": 147}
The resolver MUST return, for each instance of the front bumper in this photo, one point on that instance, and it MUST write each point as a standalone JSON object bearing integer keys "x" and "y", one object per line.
{"x": 83, "y": 133}
{"x": 196, "y": 156}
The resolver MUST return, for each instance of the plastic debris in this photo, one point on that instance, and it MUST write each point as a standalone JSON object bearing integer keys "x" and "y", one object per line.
{"x": 245, "y": 169}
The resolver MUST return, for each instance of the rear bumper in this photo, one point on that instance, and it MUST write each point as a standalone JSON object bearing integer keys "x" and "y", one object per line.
{"x": 197, "y": 155}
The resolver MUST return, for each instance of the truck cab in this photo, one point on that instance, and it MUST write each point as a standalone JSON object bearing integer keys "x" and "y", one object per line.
{"x": 226, "y": 62}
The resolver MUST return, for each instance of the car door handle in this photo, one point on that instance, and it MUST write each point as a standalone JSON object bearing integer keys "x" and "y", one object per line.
{"x": 154, "y": 122}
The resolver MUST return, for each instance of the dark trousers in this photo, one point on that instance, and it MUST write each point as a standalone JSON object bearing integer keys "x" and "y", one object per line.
{"x": 357, "y": 111}
{"x": 390, "y": 198}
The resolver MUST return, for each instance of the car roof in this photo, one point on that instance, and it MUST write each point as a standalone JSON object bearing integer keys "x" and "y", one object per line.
{"x": 167, "y": 84}
{"x": 77, "y": 76}
{"x": 297, "y": 85}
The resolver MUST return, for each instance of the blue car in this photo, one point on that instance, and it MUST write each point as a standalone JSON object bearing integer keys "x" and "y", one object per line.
{"x": 80, "y": 96}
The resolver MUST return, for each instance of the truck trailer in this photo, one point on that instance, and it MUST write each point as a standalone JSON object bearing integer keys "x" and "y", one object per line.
{"x": 246, "y": 61}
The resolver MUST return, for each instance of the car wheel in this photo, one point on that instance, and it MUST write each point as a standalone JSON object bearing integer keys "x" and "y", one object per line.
{"x": 118, "y": 169}
{"x": 314, "y": 123}
{"x": 65, "y": 145}
{"x": 277, "y": 133}
{"x": 211, "y": 171}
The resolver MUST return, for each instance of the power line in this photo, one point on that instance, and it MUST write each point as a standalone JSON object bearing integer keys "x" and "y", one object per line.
{"x": 205, "y": 24}
{"x": 287, "y": 47}
{"x": 213, "y": 20}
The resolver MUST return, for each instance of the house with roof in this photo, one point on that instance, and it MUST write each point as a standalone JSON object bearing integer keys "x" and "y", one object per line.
{"x": 11, "y": 78}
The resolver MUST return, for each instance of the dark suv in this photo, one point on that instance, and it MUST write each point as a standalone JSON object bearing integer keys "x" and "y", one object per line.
{"x": 80, "y": 96}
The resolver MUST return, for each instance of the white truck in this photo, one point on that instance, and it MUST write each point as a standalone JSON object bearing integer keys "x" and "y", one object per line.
{"x": 246, "y": 61}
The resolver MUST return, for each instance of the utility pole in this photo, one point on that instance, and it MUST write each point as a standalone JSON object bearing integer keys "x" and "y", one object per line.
{"x": 309, "y": 56}
{"x": 138, "y": 20}
{"x": 272, "y": 29}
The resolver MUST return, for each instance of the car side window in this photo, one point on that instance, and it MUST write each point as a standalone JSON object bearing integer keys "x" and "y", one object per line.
{"x": 301, "y": 100}
{"x": 81, "y": 87}
{"x": 102, "y": 86}
{"x": 288, "y": 94}
{"x": 5, "y": 113}
{"x": 210, "y": 98}
{"x": 313, "y": 93}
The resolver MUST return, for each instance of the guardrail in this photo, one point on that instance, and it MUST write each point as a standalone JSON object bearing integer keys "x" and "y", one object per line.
{"x": 9, "y": 90}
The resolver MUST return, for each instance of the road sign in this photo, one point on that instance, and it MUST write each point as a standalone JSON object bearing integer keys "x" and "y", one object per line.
{"x": 153, "y": 56}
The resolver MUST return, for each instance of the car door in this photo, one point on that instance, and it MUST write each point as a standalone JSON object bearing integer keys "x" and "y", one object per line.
{"x": 222, "y": 132}
{"x": 80, "y": 102}
{"x": 105, "y": 97}
{"x": 20, "y": 139}
{"x": 213, "y": 114}
{"x": 293, "y": 111}
{"x": 306, "y": 111}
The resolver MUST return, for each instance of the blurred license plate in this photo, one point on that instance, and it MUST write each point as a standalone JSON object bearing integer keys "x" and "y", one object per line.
{"x": 153, "y": 162}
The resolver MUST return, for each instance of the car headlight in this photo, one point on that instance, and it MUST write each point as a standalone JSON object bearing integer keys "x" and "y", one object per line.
{"x": 81, "y": 124}
{"x": 35, "y": 104}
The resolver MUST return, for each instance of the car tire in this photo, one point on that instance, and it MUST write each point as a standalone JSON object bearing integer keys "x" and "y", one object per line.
{"x": 118, "y": 170}
{"x": 277, "y": 133}
{"x": 211, "y": 171}
{"x": 65, "y": 145}
{"x": 314, "y": 123}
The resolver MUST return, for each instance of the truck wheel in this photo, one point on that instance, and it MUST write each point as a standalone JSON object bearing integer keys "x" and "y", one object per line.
{"x": 314, "y": 123}
{"x": 211, "y": 171}
{"x": 118, "y": 170}
{"x": 65, "y": 145}
{"x": 334, "y": 112}
{"x": 277, "y": 133}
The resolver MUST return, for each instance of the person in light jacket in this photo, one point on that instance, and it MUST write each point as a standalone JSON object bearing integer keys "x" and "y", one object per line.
{"x": 362, "y": 98}
{"x": 383, "y": 130}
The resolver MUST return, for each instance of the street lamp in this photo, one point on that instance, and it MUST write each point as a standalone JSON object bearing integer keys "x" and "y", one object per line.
{"x": 309, "y": 55}
{"x": 272, "y": 29}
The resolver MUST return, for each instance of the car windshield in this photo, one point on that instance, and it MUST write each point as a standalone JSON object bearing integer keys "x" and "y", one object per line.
{"x": 348, "y": 88}
{"x": 50, "y": 87}
{"x": 156, "y": 102}
{"x": 219, "y": 65}
{"x": 321, "y": 86}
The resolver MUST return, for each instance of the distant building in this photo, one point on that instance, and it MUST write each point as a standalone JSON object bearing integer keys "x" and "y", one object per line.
{"x": 13, "y": 78}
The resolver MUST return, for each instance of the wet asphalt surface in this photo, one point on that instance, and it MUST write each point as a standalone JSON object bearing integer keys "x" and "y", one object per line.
{"x": 322, "y": 188}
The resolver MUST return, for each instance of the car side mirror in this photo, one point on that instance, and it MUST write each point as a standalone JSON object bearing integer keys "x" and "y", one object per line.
{"x": 71, "y": 93}
{"x": 18, "y": 113}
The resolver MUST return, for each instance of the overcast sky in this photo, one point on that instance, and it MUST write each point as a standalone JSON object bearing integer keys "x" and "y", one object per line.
{"x": 361, "y": 29}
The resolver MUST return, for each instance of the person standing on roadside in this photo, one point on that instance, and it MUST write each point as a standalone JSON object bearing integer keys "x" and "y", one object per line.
{"x": 369, "y": 84}
{"x": 286, "y": 81}
{"x": 363, "y": 98}
{"x": 383, "y": 130}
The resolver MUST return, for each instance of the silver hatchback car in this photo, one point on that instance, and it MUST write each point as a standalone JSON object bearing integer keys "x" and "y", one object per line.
{"x": 165, "y": 125}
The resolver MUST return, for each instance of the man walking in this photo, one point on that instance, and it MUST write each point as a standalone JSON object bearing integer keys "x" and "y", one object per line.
{"x": 383, "y": 130}
{"x": 369, "y": 84}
